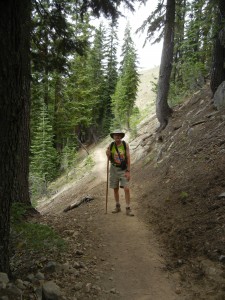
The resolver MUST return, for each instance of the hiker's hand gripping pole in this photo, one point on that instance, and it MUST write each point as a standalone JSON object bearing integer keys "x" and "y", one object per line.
{"x": 107, "y": 186}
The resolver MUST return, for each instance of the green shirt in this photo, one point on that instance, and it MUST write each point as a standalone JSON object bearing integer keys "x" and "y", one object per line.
{"x": 115, "y": 156}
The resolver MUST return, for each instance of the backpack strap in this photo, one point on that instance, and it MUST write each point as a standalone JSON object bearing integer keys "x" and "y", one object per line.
{"x": 111, "y": 145}
{"x": 125, "y": 147}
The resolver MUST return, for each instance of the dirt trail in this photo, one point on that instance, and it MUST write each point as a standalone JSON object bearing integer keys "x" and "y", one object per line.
{"x": 138, "y": 268}
{"x": 129, "y": 259}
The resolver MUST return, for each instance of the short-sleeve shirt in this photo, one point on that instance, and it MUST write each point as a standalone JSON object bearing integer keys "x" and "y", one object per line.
{"x": 115, "y": 156}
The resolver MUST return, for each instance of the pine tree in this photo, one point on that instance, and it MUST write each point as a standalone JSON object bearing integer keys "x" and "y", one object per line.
{"x": 194, "y": 28}
{"x": 43, "y": 154}
{"x": 191, "y": 66}
{"x": 111, "y": 76}
{"x": 52, "y": 77}
{"x": 96, "y": 71}
{"x": 79, "y": 98}
{"x": 125, "y": 94}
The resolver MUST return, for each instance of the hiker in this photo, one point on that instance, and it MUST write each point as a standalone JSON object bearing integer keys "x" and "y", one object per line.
{"x": 119, "y": 154}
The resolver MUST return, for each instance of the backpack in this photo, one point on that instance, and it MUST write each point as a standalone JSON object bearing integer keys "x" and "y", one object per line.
{"x": 111, "y": 145}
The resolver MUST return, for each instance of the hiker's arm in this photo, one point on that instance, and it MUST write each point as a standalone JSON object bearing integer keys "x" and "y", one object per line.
{"x": 128, "y": 160}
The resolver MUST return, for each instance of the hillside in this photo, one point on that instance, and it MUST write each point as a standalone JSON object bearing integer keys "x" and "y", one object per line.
{"x": 174, "y": 247}
{"x": 183, "y": 193}
{"x": 145, "y": 95}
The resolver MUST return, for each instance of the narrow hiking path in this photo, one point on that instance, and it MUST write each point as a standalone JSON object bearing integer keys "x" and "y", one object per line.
{"x": 137, "y": 265}
{"x": 132, "y": 249}
{"x": 127, "y": 259}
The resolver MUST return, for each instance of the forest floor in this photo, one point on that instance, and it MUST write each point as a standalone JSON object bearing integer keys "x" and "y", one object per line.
{"x": 174, "y": 246}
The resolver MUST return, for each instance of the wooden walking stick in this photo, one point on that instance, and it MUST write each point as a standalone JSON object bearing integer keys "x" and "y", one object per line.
{"x": 107, "y": 186}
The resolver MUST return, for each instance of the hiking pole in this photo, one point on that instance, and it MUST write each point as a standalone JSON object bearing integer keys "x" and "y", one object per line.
{"x": 107, "y": 186}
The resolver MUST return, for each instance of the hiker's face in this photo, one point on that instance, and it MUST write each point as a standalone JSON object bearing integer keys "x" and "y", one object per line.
{"x": 117, "y": 137}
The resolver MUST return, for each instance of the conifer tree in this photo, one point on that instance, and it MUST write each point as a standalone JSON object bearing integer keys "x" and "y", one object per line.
{"x": 96, "y": 71}
{"x": 191, "y": 34}
{"x": 79, "y": 98}
{"x": 43, "y": 154}
{"x": 192, "y": 44}
{"x": 125, "y": 94}
{"x": 51, "y": 81}
{"x": 111, "y": 76}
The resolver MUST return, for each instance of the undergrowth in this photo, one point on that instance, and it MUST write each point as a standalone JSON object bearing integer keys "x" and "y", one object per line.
{"x": 33, "y": 236}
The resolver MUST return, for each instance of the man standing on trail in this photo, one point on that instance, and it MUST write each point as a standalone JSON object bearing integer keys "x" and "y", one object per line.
{"x": 119, "y": 154}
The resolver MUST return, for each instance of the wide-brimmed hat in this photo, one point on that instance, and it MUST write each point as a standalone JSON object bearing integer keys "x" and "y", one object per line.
{"x": 117, "y": 131}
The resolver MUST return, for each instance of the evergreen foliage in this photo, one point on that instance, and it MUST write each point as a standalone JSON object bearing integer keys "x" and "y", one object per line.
{"x": 54, "y": 35}
{"x": 43, "y": 154}
{"x": 96, "y": 72}
{"x": 193, "y": 45}
{"x": 123, "y": 100}
{"x": 111, "y": 75}
{"x": 79, "y": 96}
{"x": 195, "y": 29}
{"x": 52, "y": 70}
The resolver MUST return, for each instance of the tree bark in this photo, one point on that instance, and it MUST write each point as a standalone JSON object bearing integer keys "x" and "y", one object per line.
{"x": 218, "y": 57}
{"x": 14, "y": 103}
{"x": 178, "y": 40}
{"x": 21, "y": 181}
{"x": 163, "y": 111}
{"x": 217, "y": 71}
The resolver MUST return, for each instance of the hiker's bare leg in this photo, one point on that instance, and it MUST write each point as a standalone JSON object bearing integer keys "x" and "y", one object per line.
{"x": 127, "y": 196}
{"x": 116, "y": 195}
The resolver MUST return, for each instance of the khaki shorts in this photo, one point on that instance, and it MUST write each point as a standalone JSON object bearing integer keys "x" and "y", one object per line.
{"x": 117, "y": 178}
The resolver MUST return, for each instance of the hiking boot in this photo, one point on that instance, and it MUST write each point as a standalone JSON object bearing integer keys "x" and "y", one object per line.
{"x": 129, "y": 212}
{"x": 116, "y": 209}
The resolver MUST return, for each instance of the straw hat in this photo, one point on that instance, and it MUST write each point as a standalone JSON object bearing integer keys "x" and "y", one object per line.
{"x": 117, "y": 131}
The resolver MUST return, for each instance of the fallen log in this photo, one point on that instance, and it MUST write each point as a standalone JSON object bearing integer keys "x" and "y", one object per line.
{"x": 85, "y": 199}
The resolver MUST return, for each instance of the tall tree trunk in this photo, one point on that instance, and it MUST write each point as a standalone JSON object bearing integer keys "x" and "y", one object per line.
{"x": 14, "y": 99}
{"x": 217, "y": 71}
{"x": 20, "y": 191}
{"x": 218, "y": 57}
{"x": 176, "y": 76}
{"x": 163, "y": 111}
{"x": 58, "y": 142}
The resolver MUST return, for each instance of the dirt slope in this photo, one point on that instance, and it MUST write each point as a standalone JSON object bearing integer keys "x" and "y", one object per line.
{"x": 182, "y": 178}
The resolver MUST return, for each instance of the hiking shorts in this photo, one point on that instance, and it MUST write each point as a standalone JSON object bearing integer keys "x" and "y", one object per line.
{"x": 117, "y": 178}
